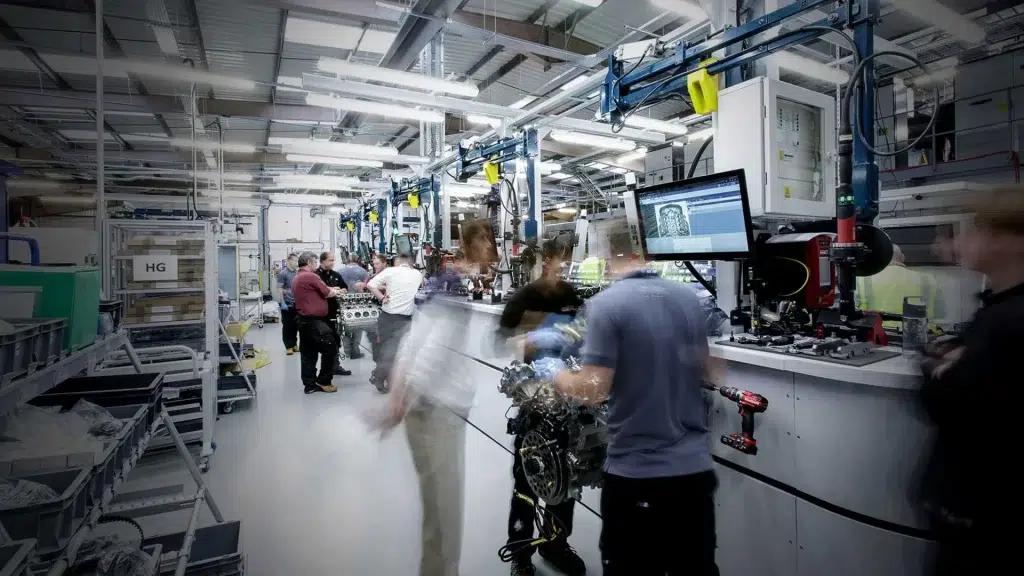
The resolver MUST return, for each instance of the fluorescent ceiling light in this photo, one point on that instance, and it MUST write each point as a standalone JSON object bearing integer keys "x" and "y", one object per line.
{"x": 687, "y": 9}
{"x": 701, "y": 135}
{"x": 313, "y": 159}
{"x": 335, "y": 149}
{"x": 374, "y": 108}
{"x": 617, "y": 170}
{"x": 550, "y": 167}
{"x": 645, "y": 123}
{"x": 484, "y": 120}
{"x": 182, "y": 72}
{"x": 680, "y": 143}
{"x": 304, "y": 199}
{"x": 593, "y": 141}
{"x": 567, "y": 210}
{"x": 694, "y": 118}
{"x": 399, "y": 78}
{"x": 634, "y": 155}
{"x": 314, "y": 33}
{"x": 946, "y": 19}
{"x": 559, "y": 176}
{"x": 210, "y": 146}
{"x": 809, "y": 68}
{"x": 597, "y": 165}
{"x": 523, "y": 102}
{"x": 575, "y": 83}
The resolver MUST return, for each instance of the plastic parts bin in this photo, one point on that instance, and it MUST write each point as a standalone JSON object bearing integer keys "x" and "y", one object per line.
{"x": 115, "y": 309}
{"x": 108, "y": 391}
{"x": 16, "y": 353}
{"x": 215, "y": 552}
{"x": 48, "y": 343}
{"x": 14, "y": 557}
{"x": 51, "y": 523}
{"x": 71, "y": 292}
{"x": 117, "y": 451}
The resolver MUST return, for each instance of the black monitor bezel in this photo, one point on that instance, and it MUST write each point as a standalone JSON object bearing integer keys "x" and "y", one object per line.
{"x": 748, "y": 223}
{"x": 405, "y": 237}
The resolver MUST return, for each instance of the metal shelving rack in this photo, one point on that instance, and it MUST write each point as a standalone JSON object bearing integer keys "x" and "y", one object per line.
{"x": 178, "y": 365}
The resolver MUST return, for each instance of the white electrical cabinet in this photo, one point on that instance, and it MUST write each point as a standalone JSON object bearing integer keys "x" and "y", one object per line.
{"x": 784, "y": 137}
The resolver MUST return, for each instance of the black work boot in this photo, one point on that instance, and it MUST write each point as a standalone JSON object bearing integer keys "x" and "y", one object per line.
{"x": 563, "y": 558}
{"x": 522, "y": 567}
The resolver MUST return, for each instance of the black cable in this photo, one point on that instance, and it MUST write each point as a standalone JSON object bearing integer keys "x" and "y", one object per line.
{"x": 549, "y": 528}
{"x": 696, "y": 157}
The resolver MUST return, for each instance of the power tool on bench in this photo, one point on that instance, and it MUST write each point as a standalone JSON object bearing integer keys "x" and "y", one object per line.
{"x": 749, "y": 404}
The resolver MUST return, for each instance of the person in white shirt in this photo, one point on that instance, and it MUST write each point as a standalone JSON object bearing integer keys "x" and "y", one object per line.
{"x": 396, "y": 288}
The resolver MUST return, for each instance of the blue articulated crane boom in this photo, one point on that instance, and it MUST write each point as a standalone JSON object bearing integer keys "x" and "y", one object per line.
{"x": 473, "y": 159}
{"x": 424, "y": 192}
{"x": 690, "y": 67}
{"x": 371, "y": 213}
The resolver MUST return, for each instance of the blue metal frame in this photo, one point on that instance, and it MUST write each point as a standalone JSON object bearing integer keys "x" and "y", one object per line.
{"x": 429, "y": 191}
{"x": 6, "y": 169}
{"x": 524, "y": 145}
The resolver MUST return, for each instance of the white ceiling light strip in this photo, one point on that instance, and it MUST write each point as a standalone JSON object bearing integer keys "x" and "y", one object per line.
{"x": 314, "y": 159}
{"x": 210, "y": 146}
{"x": 645, "y": 123}
{"x": 396, "y": 77}
{"x": 374, "y": 108}
{"x": 593, "y": 141}
{"x": 944, "y": 18}
{"x": 306, "y": 199}
{"x": 333, "y": 149}
{"x": 180, "y": 72}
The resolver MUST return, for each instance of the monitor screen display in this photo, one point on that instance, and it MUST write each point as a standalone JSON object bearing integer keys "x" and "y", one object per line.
{"x": 403, "y": 245}
{"x": 706, "y": 218}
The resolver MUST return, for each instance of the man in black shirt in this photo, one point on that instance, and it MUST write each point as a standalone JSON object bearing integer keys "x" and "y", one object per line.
{"x": 333, "y": 279}
{"x": 969, "y": 393}
{"x": 539, "y": 304}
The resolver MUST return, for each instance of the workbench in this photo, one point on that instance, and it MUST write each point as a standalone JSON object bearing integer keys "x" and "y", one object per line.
{"x": 830, "y": 491}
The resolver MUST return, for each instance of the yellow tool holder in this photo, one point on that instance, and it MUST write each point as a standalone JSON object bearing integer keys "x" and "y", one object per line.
{"x": 350, "y": 226}
{"x": 491, "y": 173}
{"x": 373, "y": 217}
{"x": 703, "y": 89}
{"x": 414, "y": 201}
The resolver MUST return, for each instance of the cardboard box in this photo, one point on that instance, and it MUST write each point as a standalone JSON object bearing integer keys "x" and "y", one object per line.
{"x": 167, "y": 305}
{"x": 163, "y": 245}
{"x": 191, "y": 274}
{"x": 134, "y": 319}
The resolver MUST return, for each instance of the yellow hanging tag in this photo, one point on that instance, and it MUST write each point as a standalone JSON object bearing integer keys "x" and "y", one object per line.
{"x": 703, "y": 89}
{"x": 491, "y": 172}
{"x": 373, "y": 217}
{"x": 350, "y": 226}
{"x": 414, "y": 201}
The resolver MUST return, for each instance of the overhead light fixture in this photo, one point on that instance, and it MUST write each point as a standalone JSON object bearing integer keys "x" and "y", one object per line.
{"x": 700, "y": 135}
{"x": 559, "y": 176}
{"x": 326, "y": 34}
{"x": 593, "y": 141}
{"x": 694, "y": 118}
{"x": 945, "y": 19}
{"x": 210, "y": 146}
{"x": 312, "y": 199}
{"x": 575, "y": 83}
{"x": 567, "y": 210}
{"x": 687, "y": 9}
{"x": 318, "y": 181}
{"x": 484, "y": 120}
{"x": 523, "y": 102}
{"x": 334, "y": 149}
{"x": 374, "y": 108}
{"x": 182, "y": 72}
{"x": 681, "y": 143}
{"x": 597, "y": 165}
{"x": 313, "y": 159}
{"x": 617, "y": 170}
{"x": 550, "y": 167}
{"x": 645, "y": 123}
{"x": 591, "y": 3}
{"x": 634, "y": 155}
{"x": 396, "y": 77}
{"x": 809, "y": 68}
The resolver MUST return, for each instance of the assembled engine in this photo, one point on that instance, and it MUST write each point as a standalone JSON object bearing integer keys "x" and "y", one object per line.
{"x": 358, "y": 311}
{"x": 564, "y": 442}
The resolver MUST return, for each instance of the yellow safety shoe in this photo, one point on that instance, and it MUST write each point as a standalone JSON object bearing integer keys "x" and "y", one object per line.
{"x": 329, "y": 388}
{"x": 290, "y": 351}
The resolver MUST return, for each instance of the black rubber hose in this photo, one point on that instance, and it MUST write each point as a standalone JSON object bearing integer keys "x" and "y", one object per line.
{"x": 689, "y": 174}
{"x": 696, "y": 158}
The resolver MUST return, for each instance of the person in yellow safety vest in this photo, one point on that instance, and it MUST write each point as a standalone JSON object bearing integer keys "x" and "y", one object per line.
{"x": 884, "y": 292}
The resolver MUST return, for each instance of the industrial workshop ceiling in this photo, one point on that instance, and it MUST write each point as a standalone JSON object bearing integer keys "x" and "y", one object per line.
{"x": 251, "y": 63}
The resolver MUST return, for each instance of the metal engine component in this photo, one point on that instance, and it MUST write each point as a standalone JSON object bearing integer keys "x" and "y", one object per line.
{"x": 564, "y": 442}
{"x": 358, "y": 311}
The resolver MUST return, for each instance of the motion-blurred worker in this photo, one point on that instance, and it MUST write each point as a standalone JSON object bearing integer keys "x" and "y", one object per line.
{"x": 319, "y": 338}
{"x": 970, "y": 482}
{"x": 355, "y": 276}
{"x": 884, "y": 292}
{"x": 333, "y": 279}
{"x": 396, "y": 289}
{"x": 289, "y": 326}
{"x": 646, "y": 353}
{"x": 537, "y": 304}
{"x": 433, "y": 391}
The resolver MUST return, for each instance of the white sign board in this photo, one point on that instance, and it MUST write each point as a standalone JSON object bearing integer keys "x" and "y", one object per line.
{"x": 154, "y": 268}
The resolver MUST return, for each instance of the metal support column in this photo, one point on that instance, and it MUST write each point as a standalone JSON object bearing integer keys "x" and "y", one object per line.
{"x": 865, "y": 171}
{"x": 5, "y": 171}
{"x": 101, "y": 207}
{"x": 432, "y": 146}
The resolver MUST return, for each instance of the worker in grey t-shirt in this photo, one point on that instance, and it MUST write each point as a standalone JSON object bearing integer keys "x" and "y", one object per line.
{"x": 289, "y": 322}
{"x": 355, "y": 276}
{"x": 646, "y": 354}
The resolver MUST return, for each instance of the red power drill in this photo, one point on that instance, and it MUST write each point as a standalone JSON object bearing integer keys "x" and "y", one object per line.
{"x": 749, "y": 404}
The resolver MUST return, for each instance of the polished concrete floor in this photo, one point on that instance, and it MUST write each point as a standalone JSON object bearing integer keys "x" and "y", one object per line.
{"x": 319, "y": 494}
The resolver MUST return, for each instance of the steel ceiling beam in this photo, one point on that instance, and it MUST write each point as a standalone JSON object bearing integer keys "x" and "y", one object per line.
{"x": 365, "y": 11}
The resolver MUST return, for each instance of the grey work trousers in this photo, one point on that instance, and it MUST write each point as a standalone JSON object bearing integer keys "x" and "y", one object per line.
{"x": 437, "y": 438}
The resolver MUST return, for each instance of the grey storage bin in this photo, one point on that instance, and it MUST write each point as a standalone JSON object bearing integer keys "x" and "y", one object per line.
{"x": 48, "y": 343}
{"x": 215, "y": 552}
{"x": 51, "y": 523}
{"x": 16, "y": 353}
{"x": 117, "y": 451}
{"x": 14, "y": 557}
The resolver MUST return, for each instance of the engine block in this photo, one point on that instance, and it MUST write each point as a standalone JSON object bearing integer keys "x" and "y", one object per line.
{"x": 358, "y": 311}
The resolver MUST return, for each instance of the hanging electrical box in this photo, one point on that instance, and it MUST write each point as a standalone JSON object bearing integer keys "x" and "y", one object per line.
{"x": 784, "y": 137}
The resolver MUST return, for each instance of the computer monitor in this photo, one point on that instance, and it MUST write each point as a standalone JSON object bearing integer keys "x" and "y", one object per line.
{"x": 705, "y": 218}
{"x": 364, "y": 250}
{"x": 403, "y": 245}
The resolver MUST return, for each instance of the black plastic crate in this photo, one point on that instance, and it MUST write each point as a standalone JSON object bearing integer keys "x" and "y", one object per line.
{"x": 115, "y": 309}
{"x": 108, "y": 391}
{"x": 51, "y": 523}
{"x": 216, "y": 550}
{"x": 118, "y": 450}
{"x": 15, "y": 556}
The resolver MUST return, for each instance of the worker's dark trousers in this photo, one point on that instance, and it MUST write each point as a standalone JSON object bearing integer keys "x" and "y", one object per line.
{"x": 290, "y": 327}
{"x": 391, "y": 328}
{"x": 522, "y": 514}
{"x": 314, "y": 347}
{"x": 658, "y": 526}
